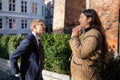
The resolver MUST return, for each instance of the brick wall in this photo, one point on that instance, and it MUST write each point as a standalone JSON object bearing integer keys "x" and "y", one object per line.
{"x": 72, "y": 13}
{"x": 108, "y": 11}
{"x": 66, "y": 14}
{"x": 59, "y": 16}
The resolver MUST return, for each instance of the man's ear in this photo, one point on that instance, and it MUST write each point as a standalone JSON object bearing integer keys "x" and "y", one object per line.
{"x": 34, "y": 26}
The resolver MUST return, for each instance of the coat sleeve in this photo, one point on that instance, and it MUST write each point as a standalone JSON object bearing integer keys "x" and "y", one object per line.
{"x": 21, "y": 49}
{"x": 85, "y": 48}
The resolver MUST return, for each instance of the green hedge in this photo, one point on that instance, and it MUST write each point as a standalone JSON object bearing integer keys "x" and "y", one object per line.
{"x": 56, "y": 47}
{"x": 8, "y": 44}
{"x": 3, "y": 47}
{"x": 57, "y": 52}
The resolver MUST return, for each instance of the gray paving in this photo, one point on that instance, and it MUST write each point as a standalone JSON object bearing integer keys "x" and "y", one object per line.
{"x": 47, "y": 75}
{"x": 4, "y": 76}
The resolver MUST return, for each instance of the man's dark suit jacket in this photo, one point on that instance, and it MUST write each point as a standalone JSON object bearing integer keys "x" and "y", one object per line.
{"x": 31, "y": 59}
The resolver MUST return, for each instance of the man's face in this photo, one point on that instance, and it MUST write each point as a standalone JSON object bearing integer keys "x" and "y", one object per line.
{"x": 40, "y": 28}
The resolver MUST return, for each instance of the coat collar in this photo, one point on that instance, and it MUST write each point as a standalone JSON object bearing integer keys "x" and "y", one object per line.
{"x": 84, "y": 30}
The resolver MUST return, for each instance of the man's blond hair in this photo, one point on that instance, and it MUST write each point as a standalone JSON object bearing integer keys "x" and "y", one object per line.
{"x": 35, "y": 22}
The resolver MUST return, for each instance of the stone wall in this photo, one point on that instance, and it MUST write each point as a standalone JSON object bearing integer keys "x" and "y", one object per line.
{"x": 59, "y": 16}
{"x": 66, "y": 14}
{"x": 108, "y": 11}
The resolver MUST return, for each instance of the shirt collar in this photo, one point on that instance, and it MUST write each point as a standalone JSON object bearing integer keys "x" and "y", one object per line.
{"x": 36, "y": 36}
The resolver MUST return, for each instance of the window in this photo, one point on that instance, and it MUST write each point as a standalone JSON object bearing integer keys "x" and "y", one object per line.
{"x": 23, "y": 6}
{"x": 51, "y": 20}
{"x": 11, "y": 5}
{"x": 12, "y": 34}
{"x": 51, "y": 10}
{"x": 45, "y": 5}
{"x": 0, "y": 23}
{"x": 46, "y": 12}
{"x": 34, "y": 8}
{"x": 43, "y": 10}
{"x": 23, "y": 24}
{"x": 51, "y": 2}
{"x": 0, "y": 4}
{"x": 12, "y": 24}
{"x": 46, "y": 21}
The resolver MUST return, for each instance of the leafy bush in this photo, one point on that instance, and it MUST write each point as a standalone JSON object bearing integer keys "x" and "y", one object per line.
{"x": 56, "y": 47}
{"x": 57, "y": 52}
{"x": 8, "y": 44}
{"x": 13, "y": 43}
{"x": 3, "y": 47}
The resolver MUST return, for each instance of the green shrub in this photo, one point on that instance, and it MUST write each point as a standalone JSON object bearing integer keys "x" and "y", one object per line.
{"x": 8, "y": 44}
{"x": 57, "y": 52}
{"x": 13, "y": 43}
{"x": 56, "y": 48}
{"x": 3, "y": 47}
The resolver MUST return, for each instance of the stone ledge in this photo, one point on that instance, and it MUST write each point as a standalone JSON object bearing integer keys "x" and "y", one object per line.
{"x": 48, "y": 75}
{"x": 5, "y": 66}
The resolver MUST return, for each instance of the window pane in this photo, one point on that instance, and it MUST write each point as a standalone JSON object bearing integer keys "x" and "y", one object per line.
{"x": 11, "y": 5}
{"x": 0, "y": 4}
{"x": 13, "y": 1}
{"x": 24, "y": 6}
{"x": 34, "y": 8}
{"x": 0, "y": 23}
{"x": 12, "y": 24}
{"x": 23, "y": 24}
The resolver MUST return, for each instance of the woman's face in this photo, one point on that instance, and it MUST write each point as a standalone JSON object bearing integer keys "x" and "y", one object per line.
{"x": 84, "y": 21}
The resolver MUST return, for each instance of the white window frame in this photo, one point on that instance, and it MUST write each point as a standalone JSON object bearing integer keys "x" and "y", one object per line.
{"x": 43, "y": 10}
{"x": 46, "y": 12}
{"x": 1, "y": 23}
{"x": 23, "y": 6}
{"x": 51, "y": 10}
{"x": 34, "y": 8}
{"x": 12, "y": 23}
{"x": 51, "y": 1}
{"x": 0, "y": 4}
{"x": 23, "y": 24}
{"x": 12, "y": 5}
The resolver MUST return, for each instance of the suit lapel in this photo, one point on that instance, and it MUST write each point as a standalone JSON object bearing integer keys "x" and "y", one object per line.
{"x": 35, "y": 42}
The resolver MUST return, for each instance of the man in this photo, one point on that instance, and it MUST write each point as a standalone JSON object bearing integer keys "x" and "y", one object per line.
{"x": 30, "y": 51}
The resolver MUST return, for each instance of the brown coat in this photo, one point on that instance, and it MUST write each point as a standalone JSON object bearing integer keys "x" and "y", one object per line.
{"x": 86, "y": 50}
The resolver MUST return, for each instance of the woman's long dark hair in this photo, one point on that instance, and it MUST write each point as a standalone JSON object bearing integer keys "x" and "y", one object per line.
{"x": 96, "y": 24}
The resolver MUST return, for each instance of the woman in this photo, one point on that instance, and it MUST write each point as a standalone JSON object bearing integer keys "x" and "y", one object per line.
{"x": 87, "y": 42}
